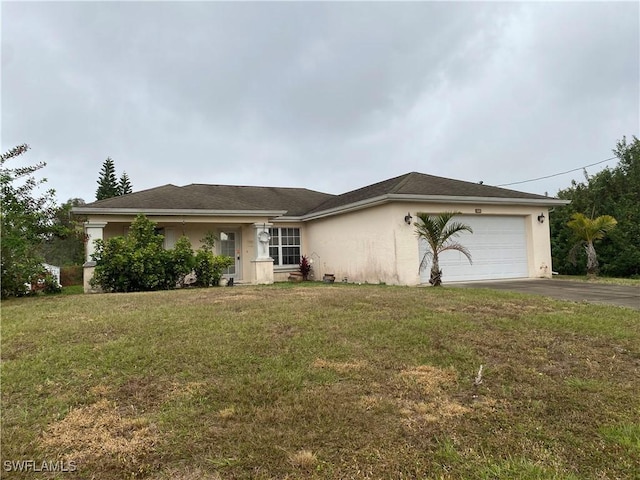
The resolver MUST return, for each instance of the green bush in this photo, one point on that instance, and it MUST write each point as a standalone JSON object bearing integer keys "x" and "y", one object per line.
{"x": 18, "y": 275}
{"x": 25, "y": 221}
{"x": 138, "y": 262}
{"x": 183, "y": 260}
{"x": 51, "y": 284}
{"x": 209, "y": 267}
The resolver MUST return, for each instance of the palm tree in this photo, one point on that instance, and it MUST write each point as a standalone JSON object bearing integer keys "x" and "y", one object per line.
{"x": 587, "y": 231}
{"x": 439, "y": 235}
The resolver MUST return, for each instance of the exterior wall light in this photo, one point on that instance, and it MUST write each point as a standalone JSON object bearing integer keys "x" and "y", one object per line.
{"x": 541, "y": 218}
{"x": 408, "y": 218}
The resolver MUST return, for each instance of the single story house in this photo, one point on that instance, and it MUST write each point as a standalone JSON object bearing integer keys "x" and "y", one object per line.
{"x": 365, "y": 235}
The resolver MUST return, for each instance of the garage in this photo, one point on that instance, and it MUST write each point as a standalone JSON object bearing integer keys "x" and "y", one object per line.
{"x": 498, "y": 248}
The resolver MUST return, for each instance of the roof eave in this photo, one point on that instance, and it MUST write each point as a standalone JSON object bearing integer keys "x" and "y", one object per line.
{"x": 370, "y": 202}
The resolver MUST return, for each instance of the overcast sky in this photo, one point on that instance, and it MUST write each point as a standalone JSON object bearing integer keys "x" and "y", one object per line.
{"x": 328, "y": 96}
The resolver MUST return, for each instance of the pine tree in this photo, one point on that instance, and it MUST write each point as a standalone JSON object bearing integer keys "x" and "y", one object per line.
{"x": 108, "y": 183}
{"x": 124, "y": 186}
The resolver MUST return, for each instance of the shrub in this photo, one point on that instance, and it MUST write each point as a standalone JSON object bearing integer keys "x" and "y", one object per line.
{"x": 182, "y": 260}
{"x": 209, "y": 267}
{"x": 305, "y": 267}
{"x": 26, "y": 220}
{"x": 137, "y": 262}
{"x": 51, "y": 284}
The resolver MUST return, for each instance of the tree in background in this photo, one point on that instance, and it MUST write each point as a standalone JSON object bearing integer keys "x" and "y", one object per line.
{"x": 439, "y": 235}
{"x": 124, "y": 185}
{"x": 107, "y": 181}
{"x": 26, "y": 221}
{"x": 108, "y": 184}
{"x": 587, "y": 231}
{"x": 66, "y": 247}
{"x": 612, "y": 191}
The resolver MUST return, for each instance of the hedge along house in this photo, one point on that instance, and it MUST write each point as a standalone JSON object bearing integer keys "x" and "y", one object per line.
{"x": 366, "y": 235}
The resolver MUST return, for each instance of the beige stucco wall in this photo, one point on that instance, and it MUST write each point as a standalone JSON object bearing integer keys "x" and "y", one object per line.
{"x": 375, "y": 245}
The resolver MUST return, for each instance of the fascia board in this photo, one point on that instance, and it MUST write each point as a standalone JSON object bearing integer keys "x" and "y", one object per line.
{"x": 484, "y": 200}
{"x": 286, "y": 219}
{"x": 176, "y": 212}
{"x": 434, "y": 199}
{"x": 370, "y": 202}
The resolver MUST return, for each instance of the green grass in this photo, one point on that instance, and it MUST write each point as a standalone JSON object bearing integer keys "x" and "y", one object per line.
{"x": 321, "y": 381}
{"x": 73, "y": 290}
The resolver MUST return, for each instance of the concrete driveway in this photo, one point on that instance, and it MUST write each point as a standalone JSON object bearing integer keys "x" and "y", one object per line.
{"x": 623, "y": 296}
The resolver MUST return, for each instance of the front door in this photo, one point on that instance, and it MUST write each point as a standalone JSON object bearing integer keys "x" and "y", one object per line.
{"x": 230, "y": 246}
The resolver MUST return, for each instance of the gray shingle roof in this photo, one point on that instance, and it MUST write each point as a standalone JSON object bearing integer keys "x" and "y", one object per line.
{"x": 296, "y": 201}
{"x": 415, "y": 183}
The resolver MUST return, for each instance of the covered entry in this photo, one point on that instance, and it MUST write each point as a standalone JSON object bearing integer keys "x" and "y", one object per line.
{"x": 498, "y": 248}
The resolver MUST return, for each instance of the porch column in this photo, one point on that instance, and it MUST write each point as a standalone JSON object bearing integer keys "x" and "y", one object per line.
{"x": 263, "y": 263}
{"x": 93, "y": 231}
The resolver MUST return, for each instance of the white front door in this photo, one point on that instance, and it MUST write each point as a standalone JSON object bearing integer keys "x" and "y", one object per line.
{"x": 230, "y": 245}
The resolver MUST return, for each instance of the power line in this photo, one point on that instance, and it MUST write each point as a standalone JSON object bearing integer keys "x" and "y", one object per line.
{"x": 557, "y": 174}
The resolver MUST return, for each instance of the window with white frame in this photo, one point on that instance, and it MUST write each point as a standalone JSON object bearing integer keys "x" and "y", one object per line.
{"x": 284, "y": 246}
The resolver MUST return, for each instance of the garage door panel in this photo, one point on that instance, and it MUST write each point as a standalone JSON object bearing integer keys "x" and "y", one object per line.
{"x": 498, "y": 250}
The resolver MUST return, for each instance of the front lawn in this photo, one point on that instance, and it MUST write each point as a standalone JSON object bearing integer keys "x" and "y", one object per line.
{"x": 320, "y": 381}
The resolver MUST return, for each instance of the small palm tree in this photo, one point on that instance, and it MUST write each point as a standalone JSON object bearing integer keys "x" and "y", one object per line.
{"x": 439, "y": 234}
{"x": 587, "y": 231}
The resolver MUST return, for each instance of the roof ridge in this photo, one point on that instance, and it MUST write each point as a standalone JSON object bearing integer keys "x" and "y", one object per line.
{"x": 403, "y": 179}
{"x": 252, "y": 186}
{"x": 146, "y": 190}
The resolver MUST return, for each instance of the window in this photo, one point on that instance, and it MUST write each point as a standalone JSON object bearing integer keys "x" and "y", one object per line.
{"x": 284, "y": 246}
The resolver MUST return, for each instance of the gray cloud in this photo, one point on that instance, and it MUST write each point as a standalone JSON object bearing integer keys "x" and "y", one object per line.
{"x": 331, "y": 96}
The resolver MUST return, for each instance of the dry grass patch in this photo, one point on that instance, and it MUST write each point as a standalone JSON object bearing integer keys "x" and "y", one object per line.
{"x": 101, "y": 437}
{"x": 303, "y": 459}
{"x": 425, "y": 397}
{"x": 431, "y": 380}
{"x": 187, "y": 389}
{"x": 227, "y": 413}
{"x": 439, "y": 410}
{"x": 100, "y": 390}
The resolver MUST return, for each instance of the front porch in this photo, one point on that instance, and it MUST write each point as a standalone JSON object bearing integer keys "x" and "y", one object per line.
{"x": 248, "y": 243}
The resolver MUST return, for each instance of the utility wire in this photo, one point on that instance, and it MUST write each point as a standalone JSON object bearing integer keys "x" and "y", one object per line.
{"x": 556, "y": 174}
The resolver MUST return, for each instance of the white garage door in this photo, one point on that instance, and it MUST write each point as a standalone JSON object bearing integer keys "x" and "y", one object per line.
{"x": 498, "y": 248}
